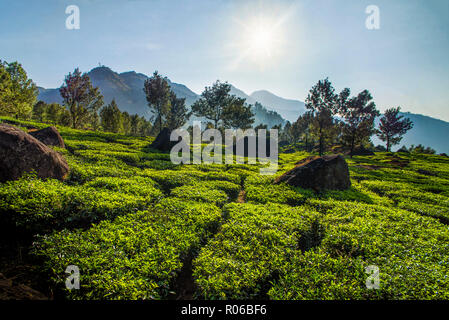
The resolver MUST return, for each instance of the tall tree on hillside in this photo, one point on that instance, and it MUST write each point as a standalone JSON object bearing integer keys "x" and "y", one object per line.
{"x": 393, "y": 126}
{"x": 359, "y": 114}
{"x": 20, "y": 91}
{"x": 237, "y": 114}
{"x": 81, "y": 99}
{"x": 157, "y": 91}
{"x": 213, "y": 101}
{"x": 111, "y": 118}
{"x": 323, "y": 104}
{"x": 178, "y": 114}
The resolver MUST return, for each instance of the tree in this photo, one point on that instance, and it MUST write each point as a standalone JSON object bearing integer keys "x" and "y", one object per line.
{"x": 237, "y": 114}
{"x": 323, "y": 104}
{"x": 421, "y": 149}
{"x": 20, "y": 92}
{"x": 157, "y": 91}
{"x": 301, "y": 129}
{"x": 359, "y": 114}
{"x": 145, "y": 128}
{"x": 178, "y": 114}
{"x": 286, "y": 133}
{"x": 81, "y": 98}
{"x": 213, "y": 101}
{"x": 5, "y": 90}
{"x": 54, "y": 113}
{"x": 260, "y": 127}
{"x": 135, "y": 124}
{"x": 111, "y": 118}
{"x": 126, "y": 120}
{"x": 392, "y": 127}
{"x": 40, "y": 111}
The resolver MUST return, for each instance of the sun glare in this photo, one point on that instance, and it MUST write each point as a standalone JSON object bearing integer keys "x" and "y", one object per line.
{"x": 261, "y": 38}
{"x": 261, "y": 42}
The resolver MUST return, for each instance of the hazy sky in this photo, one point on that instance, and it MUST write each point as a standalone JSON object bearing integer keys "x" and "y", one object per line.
{"x": 280, "y": 46}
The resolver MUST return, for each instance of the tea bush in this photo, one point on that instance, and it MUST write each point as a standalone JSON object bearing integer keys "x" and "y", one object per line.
{"x": 117, "y": 262}
{"x": 239, "y": 262}
{"x": 132, "y": 220}
{"x": 200, "y": 193}
{"x": 39, "y": 205}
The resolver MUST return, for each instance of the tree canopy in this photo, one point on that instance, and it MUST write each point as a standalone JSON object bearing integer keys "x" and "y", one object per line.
{"x": 393, "y": 126}
{"x": 81, "y": 98}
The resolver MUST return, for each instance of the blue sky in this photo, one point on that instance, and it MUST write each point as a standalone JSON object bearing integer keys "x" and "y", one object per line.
{"x": 194, "y": 42}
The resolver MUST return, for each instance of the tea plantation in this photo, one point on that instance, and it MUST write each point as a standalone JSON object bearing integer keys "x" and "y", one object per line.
{"x": 139, "y": 227}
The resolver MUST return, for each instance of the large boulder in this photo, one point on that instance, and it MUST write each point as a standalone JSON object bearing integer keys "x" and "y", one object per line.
{"x": 319, "y": 173}
{"x": 49, "y": 136}
{"x": 162, "y": 141}
{"x": 21, "y": 152}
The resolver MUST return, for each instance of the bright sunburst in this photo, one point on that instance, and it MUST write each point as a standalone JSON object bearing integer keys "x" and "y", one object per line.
{"x": 260, "y": 38}
{"x": 261, "y": 41}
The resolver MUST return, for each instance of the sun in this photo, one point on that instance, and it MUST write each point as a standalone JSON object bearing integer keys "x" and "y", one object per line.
{"x": 259, "y": 39}
{"x": 261, "y": 42}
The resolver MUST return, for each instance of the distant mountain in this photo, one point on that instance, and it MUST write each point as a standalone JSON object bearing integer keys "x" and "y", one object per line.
{"x": 288, "y": 109}
{"x": 427, "y": 131}
{"x": 263, "y": 115}
{"x": 127, "y": 90}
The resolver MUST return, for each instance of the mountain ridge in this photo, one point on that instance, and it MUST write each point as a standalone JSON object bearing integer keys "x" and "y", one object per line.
{"x": 127, "y": 89}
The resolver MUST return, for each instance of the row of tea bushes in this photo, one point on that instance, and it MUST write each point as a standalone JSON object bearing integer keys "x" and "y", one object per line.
{"x": 201, "y": 193}
{"x": 411, "y": 252}
{"x": 246, "y": 253}
{"x": 39, "y": 206}
{"x": 136, "y": 256}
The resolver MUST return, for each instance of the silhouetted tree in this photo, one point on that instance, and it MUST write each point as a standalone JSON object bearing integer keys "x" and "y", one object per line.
{"x": 213, "y": 101}
{"x": 157, "y": 91}
{"x": 393, "y": 126}
{"x": 421, "y": 149}
{"x": 359, "y": 114}
{"x": 261, "y": 126}
{"x": 237, "y": 114}
{"x": 286, "y": 133}
{"x": 301, "y": 129}
{"x": 323, "y": 104}
{"x": 178, "y": 114}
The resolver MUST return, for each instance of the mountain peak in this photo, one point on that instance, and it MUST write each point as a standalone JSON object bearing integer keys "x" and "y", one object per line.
{"x": 101, "y": 70}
